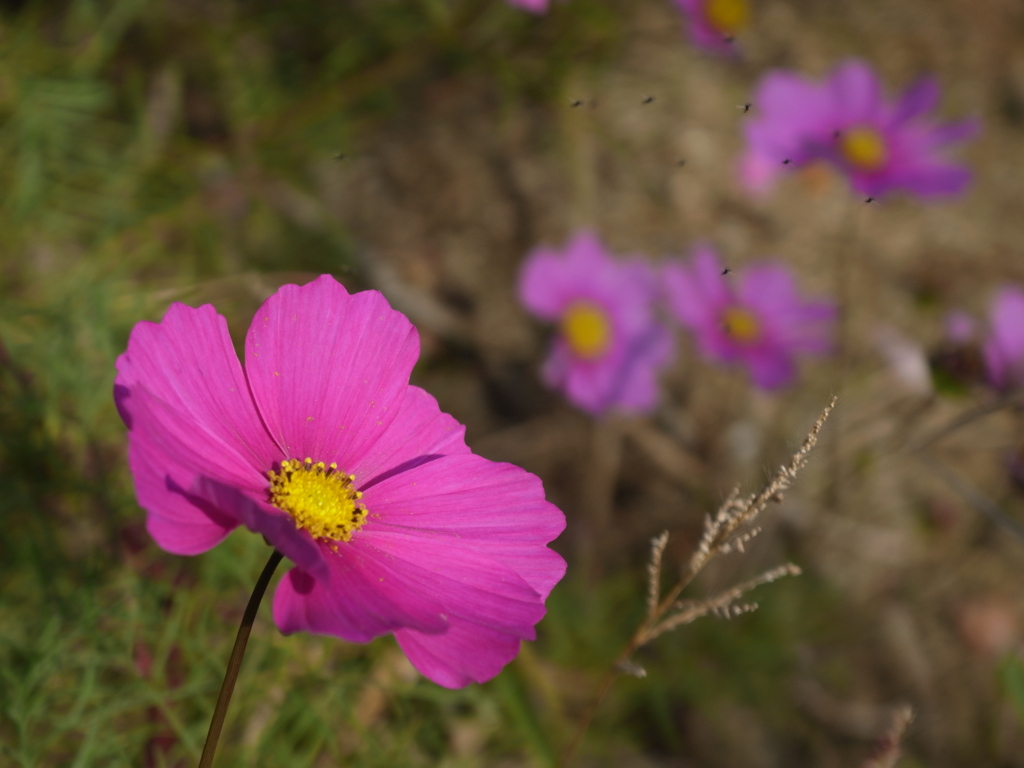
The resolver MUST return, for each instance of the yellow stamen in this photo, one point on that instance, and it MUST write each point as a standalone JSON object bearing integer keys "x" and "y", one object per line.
{"x": 319, "y": 498}
{"x": 863, "y": 148}
{"x": 587, "y": 329}
{"x": 727, "y": 16}
{"x": 741, "y": 325}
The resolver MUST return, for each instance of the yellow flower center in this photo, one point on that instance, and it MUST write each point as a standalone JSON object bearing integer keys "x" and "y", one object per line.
{"x": 727, "y": 16}
{"x": 586, "y": 329}
{"x": 741, "y": 325}
{"x": 319, "y": 498}
{"x": 863, "y": 148}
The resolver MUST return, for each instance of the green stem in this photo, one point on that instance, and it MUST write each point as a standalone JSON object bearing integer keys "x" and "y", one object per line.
{"x": 235, "y": 660}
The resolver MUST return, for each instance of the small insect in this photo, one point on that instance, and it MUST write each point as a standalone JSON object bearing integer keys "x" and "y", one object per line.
{"x": 745, "y": 107}
{"x": 648, "y": 100}
{"x": 340, "y": 156}
{"x": 787, "y": 161}
{"x": 681, "y": 162}
{"x": 869, "y": 200}
{"x": 726, "y": 271}
{"x": 576, "y": 103}
{"x": 729, "y": 39}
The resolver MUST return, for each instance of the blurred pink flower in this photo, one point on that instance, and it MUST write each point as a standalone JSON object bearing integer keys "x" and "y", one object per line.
{"x": 610, "y": 347}
{"x": 714, "y": 23}
{"x": 321, "y": 445}
{"x": 1004, "y": 347}
{"x": 846, "y": 120}
{"x": 960, "y": 327}
{"x": 533, "y": 6}
{"x": 762, "y": 322}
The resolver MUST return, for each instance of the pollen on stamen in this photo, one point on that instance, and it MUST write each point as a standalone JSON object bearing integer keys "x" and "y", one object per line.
{"x": 319, "y": 498}
{"x": 727, "y": 16}
{"x": 864, "y": 148}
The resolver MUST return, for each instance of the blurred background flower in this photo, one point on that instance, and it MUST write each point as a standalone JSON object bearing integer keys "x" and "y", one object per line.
{"x": 714, "y": 24}
{"x": 879, "y": 146}
{"x": 610, "y": 345}
{"x": 1004, "y": 345}
{"x": 534, "y": 6}
{"x": 760, "y": 322}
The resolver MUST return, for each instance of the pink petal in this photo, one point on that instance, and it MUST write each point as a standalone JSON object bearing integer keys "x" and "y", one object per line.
{"x": 384, "y": 581}
{"x": 276, "y": 526}
{"x": 364, "y": 595}
{"x": 466, "y": 653}
{"x": 585, "y": 384}
{"x": 533, "y": 6}
{"x": 549, "y": 280}
{"x": 420, "y": 433}
{"x": 187, "y": 362}
{"x": 702, "y": 33}
{"x": 961, "y": 327}
{"x": 758, "y": 172}
{"x": 1004, "y": 347}
{"x": 176, "y": 523}
{"x": 466, "y": 495}
{"x": 792, "y": 113}
{"x": 185, "y": 449}
{"x": 182, "y": 393}
{"x": 770, "y": 368}
{"x": 697, "y": 293}
{"x": 542, "y": 287}
{"x": 769, "y": 288}
{"x": 493, "y": 508}
{"x": 639, "y": 390}
{"x": 933, "y": 178}
{"x": 954, "y": 133}
{"x": 919, "y": 98}
{"x": 464, "y": 577}
{"x": 857, "y": 94}
{"x": 329, "y": 371}
{"x": 587, "y": 249}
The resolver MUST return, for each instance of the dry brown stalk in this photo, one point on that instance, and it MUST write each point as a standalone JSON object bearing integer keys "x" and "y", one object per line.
{"x": 658, "y": 544}
{"x": 887, "y": 752}
{"x": 728, "y": 530}
{"x": 722, "y": 605}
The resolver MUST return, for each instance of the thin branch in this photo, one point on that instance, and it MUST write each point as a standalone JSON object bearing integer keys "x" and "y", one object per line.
{"x": 969, "y": 417}
{"x": 975, "y": 497}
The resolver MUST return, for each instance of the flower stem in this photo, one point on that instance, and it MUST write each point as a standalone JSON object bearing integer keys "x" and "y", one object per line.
{"x": 235, "y": 660}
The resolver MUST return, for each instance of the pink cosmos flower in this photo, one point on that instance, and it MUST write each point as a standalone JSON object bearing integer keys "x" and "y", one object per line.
{"x": 761, "y": 322}
{"x": 533, "y": 6}
{"x": 714, "y": 23}
{"x": 846, "y": 120}
{"x": 610, "y": 347}
{"x": 320, "y": 444}
{"x": 1004, "y": 348}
